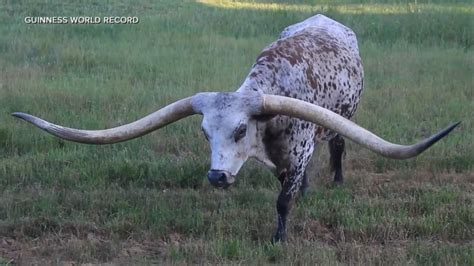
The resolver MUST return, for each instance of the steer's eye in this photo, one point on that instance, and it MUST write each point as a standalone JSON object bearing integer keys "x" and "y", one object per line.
{"x": 205, "y": 134}
{"x": 240, "y": 132}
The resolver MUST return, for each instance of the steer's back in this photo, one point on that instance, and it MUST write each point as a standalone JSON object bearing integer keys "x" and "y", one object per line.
{"x": 339, "y": 31}
{"x": 317, "y": 61}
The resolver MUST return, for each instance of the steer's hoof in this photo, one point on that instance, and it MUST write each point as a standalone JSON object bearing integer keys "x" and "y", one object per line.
{"x": 338, "y": 180}
{"x": 304, "y": 191}
{"x": 278, "y": 238}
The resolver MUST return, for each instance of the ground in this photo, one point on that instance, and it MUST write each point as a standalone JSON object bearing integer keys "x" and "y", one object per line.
{"x": 148, "y": 201}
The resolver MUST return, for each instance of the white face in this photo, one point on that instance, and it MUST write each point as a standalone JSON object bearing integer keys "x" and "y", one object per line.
{"x": 231, "y": 136}
{"x": 230, "y": 128}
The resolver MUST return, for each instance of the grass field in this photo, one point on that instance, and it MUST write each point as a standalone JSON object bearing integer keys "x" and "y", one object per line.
{"x": 148, "y": 201}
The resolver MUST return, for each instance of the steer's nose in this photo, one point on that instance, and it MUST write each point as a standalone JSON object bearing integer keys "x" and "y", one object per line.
{"x": 219, "y": 178}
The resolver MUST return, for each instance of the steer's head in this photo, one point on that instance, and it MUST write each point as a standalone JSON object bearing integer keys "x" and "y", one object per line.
{"x": 230, "y": 126}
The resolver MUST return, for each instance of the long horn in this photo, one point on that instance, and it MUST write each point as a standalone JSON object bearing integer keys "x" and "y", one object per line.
{"x": 279, "y": 105}
{"x": 147, "y": 124}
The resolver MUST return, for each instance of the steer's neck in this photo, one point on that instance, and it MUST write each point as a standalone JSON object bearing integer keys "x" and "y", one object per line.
{"x": 259, "y": 79}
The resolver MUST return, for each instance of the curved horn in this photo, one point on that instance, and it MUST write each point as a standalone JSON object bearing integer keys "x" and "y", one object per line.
{"x": 279, "y": 105}
{"x": 153, "y": 121}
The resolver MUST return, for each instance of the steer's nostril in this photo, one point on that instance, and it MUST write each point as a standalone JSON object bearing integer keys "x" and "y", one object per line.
{"x": 218, "y": 178}
{"x": 222, "y": 177}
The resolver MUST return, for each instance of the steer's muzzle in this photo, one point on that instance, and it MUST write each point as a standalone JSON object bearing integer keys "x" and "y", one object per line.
{"x": 221, "y": 179}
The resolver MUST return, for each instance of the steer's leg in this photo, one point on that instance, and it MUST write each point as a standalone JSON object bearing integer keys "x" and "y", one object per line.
{"x": 283, "y": 207}
{"x": 336, "y": 149}
{"x": 290, "y": 150}
{"x": 291, "y": 184}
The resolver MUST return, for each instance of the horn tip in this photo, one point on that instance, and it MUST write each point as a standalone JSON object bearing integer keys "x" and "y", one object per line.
{"x": 31, "y": 118}
{"x": 443, "y": 133}
{"x": 451, "y": 127}
{"x": 20, "y": 115}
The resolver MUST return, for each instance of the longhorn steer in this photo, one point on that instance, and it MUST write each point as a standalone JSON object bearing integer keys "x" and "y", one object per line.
{"x": 302, "y": 89}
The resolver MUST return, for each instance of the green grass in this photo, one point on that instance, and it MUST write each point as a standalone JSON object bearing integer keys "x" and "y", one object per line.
{"x": 147, "y": 200}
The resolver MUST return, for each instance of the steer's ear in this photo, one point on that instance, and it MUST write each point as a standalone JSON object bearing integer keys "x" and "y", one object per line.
{"x": 263, "y": 118}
